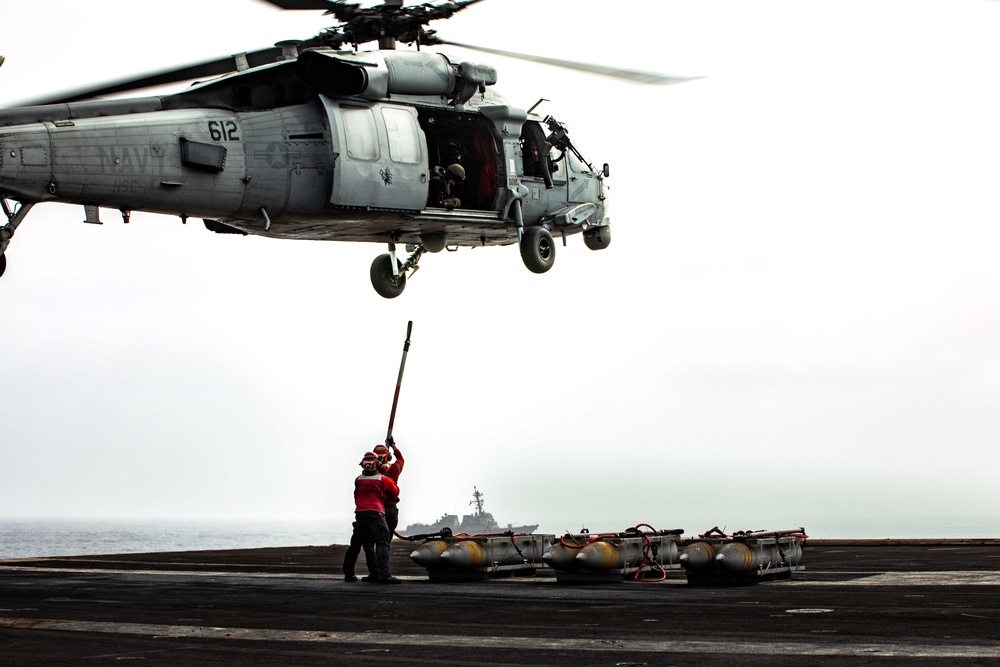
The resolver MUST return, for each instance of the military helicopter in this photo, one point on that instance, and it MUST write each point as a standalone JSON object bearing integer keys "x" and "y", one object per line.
{"x": 315, "y": 139}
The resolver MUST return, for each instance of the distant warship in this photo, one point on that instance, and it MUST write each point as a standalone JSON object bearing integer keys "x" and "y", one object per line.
{"x": 480, "y": 522}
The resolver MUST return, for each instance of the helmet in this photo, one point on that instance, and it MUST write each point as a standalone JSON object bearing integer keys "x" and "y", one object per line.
{"x": 456, "y": 171}
{"x": 369, "y": 461}
{"x": 382, "y": 452}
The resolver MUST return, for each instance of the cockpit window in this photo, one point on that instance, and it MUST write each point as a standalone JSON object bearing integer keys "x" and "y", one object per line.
{"x": 575, "y": 164}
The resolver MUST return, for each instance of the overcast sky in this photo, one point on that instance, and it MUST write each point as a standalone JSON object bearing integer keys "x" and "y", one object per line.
{"x": 797, "y": 322}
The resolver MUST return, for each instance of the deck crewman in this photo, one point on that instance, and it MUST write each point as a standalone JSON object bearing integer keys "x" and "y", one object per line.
{"x": 392, "y": 470}
{"x": 371, "y": 488}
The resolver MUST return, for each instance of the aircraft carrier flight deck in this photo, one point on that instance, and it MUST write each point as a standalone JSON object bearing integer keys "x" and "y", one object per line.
{"x": 855, "y": 602}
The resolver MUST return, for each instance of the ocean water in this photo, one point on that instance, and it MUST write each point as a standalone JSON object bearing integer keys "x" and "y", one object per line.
{"x": 32, "y": 538}
{"x": 35, "y": 538}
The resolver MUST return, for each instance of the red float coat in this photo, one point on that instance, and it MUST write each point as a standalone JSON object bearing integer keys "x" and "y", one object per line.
{"x": 393, "y": 471}
{"x": 395, "y": 468}
{"x": 370, "y": 492}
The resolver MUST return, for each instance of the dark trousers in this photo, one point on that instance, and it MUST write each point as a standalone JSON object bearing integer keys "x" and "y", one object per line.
{"x": 392, "y": 517}
{"x": 371, "y": 530}
{"x": 354, "y": 550}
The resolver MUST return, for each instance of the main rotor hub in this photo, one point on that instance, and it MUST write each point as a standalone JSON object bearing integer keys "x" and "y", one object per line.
{"x": 386, "y": 23}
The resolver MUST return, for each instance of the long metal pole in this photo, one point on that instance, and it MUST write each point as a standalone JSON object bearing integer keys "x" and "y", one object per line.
{"x": 399, "y": 381}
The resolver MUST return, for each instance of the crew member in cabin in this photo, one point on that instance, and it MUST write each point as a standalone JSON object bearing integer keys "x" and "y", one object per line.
{"x": 445, "y": 185}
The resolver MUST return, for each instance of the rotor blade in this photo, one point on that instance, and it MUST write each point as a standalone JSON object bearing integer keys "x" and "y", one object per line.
{"x": 603, "y": 70}
{"x": 184, "y": 73}
{"x": 341, "y": 10}
{"x": 302, "y": 4}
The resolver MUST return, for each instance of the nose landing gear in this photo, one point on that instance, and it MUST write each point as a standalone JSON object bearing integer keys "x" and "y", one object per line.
{"x": 14, "y": 218}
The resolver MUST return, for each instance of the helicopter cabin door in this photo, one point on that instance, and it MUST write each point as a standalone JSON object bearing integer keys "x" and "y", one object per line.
{"x": 381, "y": 159}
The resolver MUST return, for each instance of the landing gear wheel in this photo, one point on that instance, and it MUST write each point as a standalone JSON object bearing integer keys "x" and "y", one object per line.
{"x": 384, "y": 280}
{"x": 3, "y": 263}
{"x": 597, "y": 238}
{"x": 537, "y": 249}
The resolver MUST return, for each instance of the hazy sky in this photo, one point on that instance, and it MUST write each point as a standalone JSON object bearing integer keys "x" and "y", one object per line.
{"x": 797, "y": 322}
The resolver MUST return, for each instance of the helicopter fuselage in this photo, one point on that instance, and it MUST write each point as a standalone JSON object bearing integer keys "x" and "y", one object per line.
{"x": 327, "y": 147}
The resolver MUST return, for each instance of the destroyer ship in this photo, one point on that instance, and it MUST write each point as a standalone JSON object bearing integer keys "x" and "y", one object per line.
{"x": 472, "y": 524}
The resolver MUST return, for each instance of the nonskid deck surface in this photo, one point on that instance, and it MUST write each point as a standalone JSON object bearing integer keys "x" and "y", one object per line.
{"x": 857, "y": 601}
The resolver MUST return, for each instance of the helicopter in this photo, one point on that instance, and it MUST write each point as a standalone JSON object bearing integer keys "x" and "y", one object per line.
{"x": 316, "y": 139}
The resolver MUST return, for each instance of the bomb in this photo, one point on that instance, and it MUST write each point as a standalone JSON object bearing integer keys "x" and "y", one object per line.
{"x": 625, "y": 553}
{"x": 561, "y": 557}
{"x": 476, "y": 553}
{"x": 429, "y": 553}
{"x": 758, "y": 555}
{"x": 698, "y": 556}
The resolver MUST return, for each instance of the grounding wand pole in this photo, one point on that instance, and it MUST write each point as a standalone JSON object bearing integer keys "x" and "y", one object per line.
{"x": 399, "y": 381}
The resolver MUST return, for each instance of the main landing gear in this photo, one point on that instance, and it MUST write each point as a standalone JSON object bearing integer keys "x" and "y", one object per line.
{"x": 538, "y": 250}
{"x": 389, "y": 274}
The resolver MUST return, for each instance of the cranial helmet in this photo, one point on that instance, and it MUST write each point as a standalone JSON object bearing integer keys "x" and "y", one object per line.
{"x": 369, "y": 461}
{"x": 382, "y": 452}
{"x": 457, "y": 171}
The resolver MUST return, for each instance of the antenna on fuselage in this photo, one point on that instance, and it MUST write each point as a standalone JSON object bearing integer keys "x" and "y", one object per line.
{"x": 540, "y": 100}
